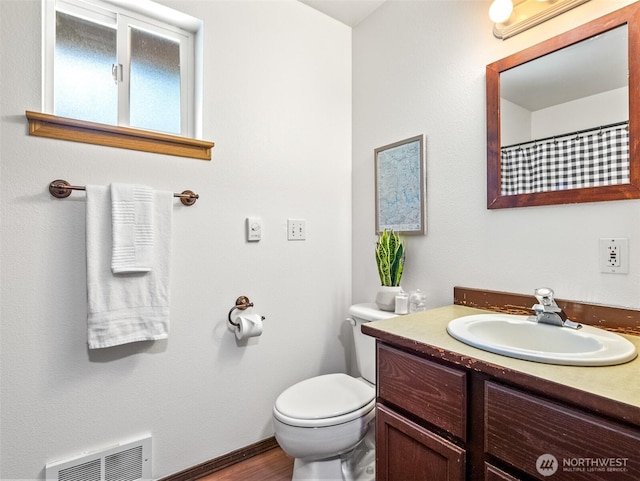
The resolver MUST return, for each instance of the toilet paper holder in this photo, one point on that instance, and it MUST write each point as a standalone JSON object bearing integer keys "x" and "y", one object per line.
{"x": 242, "y": 303}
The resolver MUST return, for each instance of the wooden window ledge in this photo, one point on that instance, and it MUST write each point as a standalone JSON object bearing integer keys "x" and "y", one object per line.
{"x": 54, "y": 127}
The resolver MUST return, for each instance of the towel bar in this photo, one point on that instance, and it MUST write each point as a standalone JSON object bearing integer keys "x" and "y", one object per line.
{"x": 61, "y": 189}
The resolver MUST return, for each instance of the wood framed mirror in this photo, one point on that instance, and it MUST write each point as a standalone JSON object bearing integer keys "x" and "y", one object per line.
{"x": 543, "y": 190}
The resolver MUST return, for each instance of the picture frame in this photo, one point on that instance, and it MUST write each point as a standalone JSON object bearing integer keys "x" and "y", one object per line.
{"x": 400, "y": 186}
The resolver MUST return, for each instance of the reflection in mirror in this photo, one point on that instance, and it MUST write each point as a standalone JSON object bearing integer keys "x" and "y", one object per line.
{"x": 563, "y": 118}
{"x": 560, "y": 116}
{"x": 579, "y": 87}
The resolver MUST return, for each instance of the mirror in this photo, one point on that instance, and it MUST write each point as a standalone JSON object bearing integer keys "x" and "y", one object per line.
{"x": 553, "y": 120}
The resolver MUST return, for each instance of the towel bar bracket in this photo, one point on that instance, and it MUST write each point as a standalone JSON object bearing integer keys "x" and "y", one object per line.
{"x": 188, "y": 197}
{"x": 61, "y": 189}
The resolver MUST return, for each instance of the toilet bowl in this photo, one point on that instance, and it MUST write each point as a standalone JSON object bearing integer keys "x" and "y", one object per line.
{"x": 327, "y": 422}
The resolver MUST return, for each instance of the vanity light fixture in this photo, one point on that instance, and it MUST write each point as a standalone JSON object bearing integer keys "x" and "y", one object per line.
{"x": 514, "y": 16}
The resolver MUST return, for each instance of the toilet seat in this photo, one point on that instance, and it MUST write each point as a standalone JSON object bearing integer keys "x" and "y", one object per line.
{"x": 324, "y": 401}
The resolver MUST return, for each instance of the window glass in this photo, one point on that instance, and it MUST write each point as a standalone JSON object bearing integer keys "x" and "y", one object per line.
{"x": 84, "y": 87}
{"x": 128, "y": 63}
{"x": 154, "y": 94}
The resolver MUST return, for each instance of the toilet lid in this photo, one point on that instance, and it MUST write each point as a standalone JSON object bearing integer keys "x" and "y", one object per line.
{"x": 322, "y": 397}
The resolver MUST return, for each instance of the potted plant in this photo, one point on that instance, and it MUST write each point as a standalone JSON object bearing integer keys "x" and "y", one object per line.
{"x": 390, "y": 259}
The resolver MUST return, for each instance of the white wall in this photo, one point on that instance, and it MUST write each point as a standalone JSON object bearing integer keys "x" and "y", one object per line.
{"x": 601, "y": 109}
{"x": 419, "y": 67}
{"x": 515, "y": 123}
{"x": 518, "y": 124}
{"x": 277, "y": 102}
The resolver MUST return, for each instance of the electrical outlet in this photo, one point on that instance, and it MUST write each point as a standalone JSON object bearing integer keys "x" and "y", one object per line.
{"x": 614, "y": 255}
{"x": 296, "y": 229}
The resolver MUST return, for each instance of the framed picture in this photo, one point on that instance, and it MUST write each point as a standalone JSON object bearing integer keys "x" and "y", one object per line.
{"x": 401, "y": 186}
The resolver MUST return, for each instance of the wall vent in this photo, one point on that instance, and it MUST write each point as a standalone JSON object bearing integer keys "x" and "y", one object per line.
{"x": 130, "y": 461}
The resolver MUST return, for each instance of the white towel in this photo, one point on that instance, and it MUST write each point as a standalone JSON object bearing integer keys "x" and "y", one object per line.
{"x": 126, "y": 307}
{"x": 132, "y": 228}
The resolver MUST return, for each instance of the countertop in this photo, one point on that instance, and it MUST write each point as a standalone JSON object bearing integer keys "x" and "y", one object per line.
{"x": 426, "y": 332}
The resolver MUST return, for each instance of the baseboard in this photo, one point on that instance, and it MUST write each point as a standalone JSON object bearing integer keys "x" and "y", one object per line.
{"x": 208, "y": 467}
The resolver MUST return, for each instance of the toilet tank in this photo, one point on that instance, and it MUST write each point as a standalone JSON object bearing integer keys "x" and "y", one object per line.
{"x": 365, "y": 346}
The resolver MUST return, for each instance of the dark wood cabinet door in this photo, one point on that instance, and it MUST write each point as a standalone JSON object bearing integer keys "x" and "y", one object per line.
{"x": 545, "y": 439}
{"x": 406, "y": 451}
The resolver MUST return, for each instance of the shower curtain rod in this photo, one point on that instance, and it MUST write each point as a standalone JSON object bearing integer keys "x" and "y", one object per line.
{"x": 576, "y": 133}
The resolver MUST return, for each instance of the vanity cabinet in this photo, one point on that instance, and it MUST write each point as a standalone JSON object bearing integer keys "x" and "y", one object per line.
{"x": 440, "y": 421}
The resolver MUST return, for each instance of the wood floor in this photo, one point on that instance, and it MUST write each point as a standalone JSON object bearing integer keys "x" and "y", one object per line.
{"x": 272, "y": 465}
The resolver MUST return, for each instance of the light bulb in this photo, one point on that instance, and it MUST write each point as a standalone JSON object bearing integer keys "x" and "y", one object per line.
{"x": 500, "y": 10}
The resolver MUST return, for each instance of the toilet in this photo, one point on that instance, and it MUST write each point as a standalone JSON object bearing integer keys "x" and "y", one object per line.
{"x": 327, "y": 422}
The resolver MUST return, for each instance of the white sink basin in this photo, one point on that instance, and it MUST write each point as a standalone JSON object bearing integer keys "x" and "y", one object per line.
{"x": 523, "y": 338}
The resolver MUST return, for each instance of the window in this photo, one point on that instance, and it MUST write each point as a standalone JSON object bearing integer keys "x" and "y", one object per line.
{"x": 128, "y": 63}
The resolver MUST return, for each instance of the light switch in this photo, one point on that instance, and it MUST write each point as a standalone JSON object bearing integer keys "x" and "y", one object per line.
{"x": 296, "y": 229}
{"x": 254, "y": 229}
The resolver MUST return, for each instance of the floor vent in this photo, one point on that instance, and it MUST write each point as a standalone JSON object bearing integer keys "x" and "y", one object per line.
{"x": 130, "y": 461}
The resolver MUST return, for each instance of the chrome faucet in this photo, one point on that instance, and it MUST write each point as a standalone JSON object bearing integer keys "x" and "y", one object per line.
{"x": 548, "y": 312}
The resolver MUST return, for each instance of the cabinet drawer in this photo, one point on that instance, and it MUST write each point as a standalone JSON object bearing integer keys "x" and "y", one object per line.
{"x": 428, "y": 390}
{"x": 520, "y": 428}
{"x": 491, "y": 473}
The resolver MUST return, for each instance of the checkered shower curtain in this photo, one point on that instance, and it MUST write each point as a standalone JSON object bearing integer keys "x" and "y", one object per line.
{"x": 586, "y": 160}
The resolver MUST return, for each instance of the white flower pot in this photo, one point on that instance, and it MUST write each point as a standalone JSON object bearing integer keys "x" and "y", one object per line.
{"x": 386, "y": 297}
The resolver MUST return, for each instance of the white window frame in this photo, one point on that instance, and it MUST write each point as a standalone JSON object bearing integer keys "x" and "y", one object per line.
{"x": 146, "y": 15}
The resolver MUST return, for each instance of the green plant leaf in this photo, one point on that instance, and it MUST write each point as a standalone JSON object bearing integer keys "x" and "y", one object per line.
{"x": 390, "y": 254}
